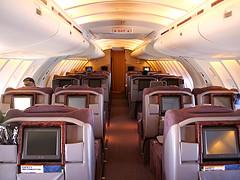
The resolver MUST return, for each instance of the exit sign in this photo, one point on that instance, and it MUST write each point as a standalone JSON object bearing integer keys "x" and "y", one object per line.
{"x": 122, "y": 29}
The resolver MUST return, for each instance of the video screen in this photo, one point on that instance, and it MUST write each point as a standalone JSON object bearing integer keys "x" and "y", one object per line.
{"x": 170, "y": 102}
{"x": 225, "y": 101}
{"x": 89, "y": 69}
{"x": 22, "y": 102}
{"x": 65, "y": 82}
{"x": 237, "y": 102}
{"x": 143, "y": 83}
{"x": 131, "y": 68}
{"x": 41, "y": 144}
{"x": 104, "y": 68}
{"x": 172, "y": 82}
{"x": 77, "y": 101}
{"x": 220, "y": 143}
{"x": 94, "y": 83}
{"x": 146, "y": 69}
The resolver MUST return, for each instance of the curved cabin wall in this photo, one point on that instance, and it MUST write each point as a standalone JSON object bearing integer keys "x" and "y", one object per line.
{"x": 196, "y": 73}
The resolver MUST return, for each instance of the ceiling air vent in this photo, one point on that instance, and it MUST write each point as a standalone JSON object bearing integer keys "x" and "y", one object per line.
{"x": 38, "y": 12}
{"x": 227, "y": 14}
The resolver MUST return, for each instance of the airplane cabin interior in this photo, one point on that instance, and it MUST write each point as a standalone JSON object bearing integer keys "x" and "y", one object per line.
{"x": 119, "y": 90}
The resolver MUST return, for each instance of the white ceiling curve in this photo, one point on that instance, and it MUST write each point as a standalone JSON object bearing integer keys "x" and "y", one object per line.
{"x": 141, "y": 16}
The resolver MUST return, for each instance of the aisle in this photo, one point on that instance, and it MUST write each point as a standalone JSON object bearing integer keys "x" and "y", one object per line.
{"x": 124, "y": 161}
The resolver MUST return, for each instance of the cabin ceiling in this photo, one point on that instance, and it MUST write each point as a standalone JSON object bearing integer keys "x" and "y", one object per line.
{"x": 125, "y": 23}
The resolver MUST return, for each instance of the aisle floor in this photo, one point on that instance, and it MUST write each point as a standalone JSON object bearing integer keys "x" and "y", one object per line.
{"x": 124, "y": 161}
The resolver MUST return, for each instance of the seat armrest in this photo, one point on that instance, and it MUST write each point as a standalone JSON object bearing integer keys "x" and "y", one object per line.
{"x": 160, "y": 139}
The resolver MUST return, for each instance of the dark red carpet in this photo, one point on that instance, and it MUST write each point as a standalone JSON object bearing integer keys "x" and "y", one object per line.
{"x": 124, "y": 161}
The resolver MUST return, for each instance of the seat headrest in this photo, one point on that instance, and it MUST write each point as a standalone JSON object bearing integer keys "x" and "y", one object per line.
{"x": 77, "y": 87}
{"x": 49, "y": 109}
{"x": 210, "y": 88}
{"x": 84, "y": 115}
{"x": 165, "y": 88}
{"x": 176, "y": 116}
{"x": 46, "y": 90}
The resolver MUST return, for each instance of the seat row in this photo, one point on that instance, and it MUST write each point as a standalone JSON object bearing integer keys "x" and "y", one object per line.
{"x": 154, "y": 124}
{"x": 50, "y": 142}
{"x": 157, "y": 100}
{"x": 199, "y": 142}
{"x": 74, "y": 96}
{"x": 96, "y": 79}
{"x": 136, "y": 82}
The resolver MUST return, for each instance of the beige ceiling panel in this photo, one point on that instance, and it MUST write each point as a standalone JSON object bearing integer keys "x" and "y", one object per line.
{"x": 124, "y": 16}
{"x": 122, "y": 43}
{"x": 180, "y": 4}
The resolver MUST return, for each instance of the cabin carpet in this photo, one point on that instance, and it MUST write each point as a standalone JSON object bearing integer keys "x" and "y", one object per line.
{"x": 124, "y": 161}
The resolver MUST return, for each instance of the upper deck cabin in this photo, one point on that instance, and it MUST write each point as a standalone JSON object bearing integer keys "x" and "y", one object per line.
{"x": 123, "y": 67}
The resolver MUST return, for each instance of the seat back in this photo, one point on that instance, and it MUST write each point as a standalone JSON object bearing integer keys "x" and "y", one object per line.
{"x": 173, "y": 81}
{"x": 84, "y": 97}
{"x": 100, "y": 81}
{"x": 75, "y": 142}
{"x": 185, "y": 140}
{"x": 157, "y": 84}
{"x": 64, "y": 81}
{"x": 138, "y": 83}
{"x": 15, "y": 98}
{"x": 156, "y": 101}
{"x": 215, "y": 95}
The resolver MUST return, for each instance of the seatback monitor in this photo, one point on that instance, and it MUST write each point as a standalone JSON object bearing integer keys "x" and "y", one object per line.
{"x": 220, "y": 143}
{"x": 172, "y": 82}
{"x": 89, "y": 69}
{"x": 130, "y": 68}
{"x": 94, "y": 83}
{"x": 143, "y": 83}
{"x": 146, "y": 69}
{"x": 225, "y": 101}
{"x": 169, "y": 102}
{"x": 41, "y": 144}
{"x": 22, "y": 102}
{"x": 104, "y": 68}
{"x": 77, "y": 101}
{"x": 65, "y": 82}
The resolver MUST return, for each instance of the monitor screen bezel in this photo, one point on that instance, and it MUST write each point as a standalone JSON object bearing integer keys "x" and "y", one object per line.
{"x": 219, "y": 157}
{"x": 162, "y": 113}
{"x": 213, "y": 96}
{"x": 77, "y": 95}
{"x": 37, "y": 158}
{"x": 31, "y": 96}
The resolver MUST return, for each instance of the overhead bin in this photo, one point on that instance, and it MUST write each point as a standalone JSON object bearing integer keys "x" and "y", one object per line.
{"x": 30, "y": 28}
{"x": 92, "y": 52}
{"x": 147, "y": 51}
{"x": 211, "y": 32}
